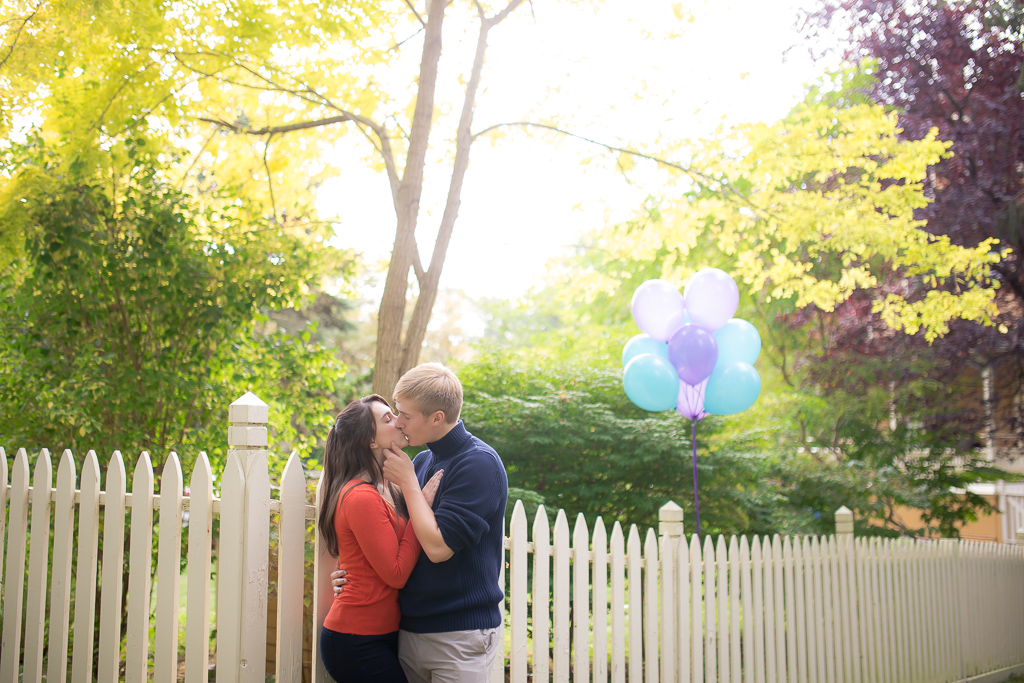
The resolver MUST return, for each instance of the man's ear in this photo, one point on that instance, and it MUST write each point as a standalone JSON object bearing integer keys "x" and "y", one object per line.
{"x": 437, "y": 419}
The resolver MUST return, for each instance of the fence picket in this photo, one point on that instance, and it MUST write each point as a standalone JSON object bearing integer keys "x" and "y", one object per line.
{"x": 168, "y": 573}
{"x": 697, "y": 609}
{"x": 113, "y": 565}
{"x": 651, "y": 639}
{"x": 872, "y": 628}
{"x": 846, "y": 629}
{"x": 799, "y": 593}
{"x": 893, "y": 645}
{"x": 85, "y": 572}
{"x": 683, "y": 635}
{"x": 38, "y": 558}
{"x": 291, "y": 541}
{"x": 935, "y": 597}
{"x": 634, "y": 562}
{"x": 947, "y": 611}
{"x": 581, "y": 599}
{"x": 816, "y": 603}
{"x": 778, "y": 628}
{"x": 541, "y": 585}
{"x": 667, "y": 614}
{"x": 757, "y": 616}
{"x": 735, "y": 646}
{"x": 722, "y": 573}
{"x": 57, "y": 659}
{"x": 229, "y": 593}
{"x": 600, "y": 599}
{"x": 710, "y": 610}
{"x": 618, "y": 599}
{"x": 914, "y": 614}
{"x": 200, "y": 539}
{"x": 903, "y": 619}
{"x": 828, "y": 590}
{"x": 768, "y": 576}
{"x": 860, "y": 608}
{"x": 139, "y": 565}
{"x": 517, "y": 599}
{"x": 791, "y": 615}
{"x": 561, "y": 589}
{"x": 747, "y": 599}
{"x": 14, "y": 581}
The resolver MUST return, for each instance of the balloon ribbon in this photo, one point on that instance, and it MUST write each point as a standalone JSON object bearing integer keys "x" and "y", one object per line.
{"x": 696, "y": 498}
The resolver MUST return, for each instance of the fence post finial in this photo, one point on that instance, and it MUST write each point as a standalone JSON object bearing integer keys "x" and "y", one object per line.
{"x": 670, "y": 520}
{"x": 844, "y": 521}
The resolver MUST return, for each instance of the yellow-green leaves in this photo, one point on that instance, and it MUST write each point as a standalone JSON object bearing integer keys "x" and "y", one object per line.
{"x": 828, "y": 208}
{"x": 810, "y": 209}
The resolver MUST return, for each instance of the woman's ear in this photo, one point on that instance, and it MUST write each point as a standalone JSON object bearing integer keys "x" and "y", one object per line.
{"x": 373, "y": 445}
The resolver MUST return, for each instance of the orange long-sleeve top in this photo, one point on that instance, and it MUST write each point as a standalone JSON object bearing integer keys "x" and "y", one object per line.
{"x": 378, "y": 549}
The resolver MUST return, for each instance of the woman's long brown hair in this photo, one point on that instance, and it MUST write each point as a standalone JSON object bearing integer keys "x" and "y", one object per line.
{"x": 346, "y": 454}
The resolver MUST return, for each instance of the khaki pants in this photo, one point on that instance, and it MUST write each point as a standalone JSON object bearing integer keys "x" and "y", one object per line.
{"x": 452, "y": 657}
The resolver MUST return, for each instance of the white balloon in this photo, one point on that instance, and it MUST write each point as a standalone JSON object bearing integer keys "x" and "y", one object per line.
{"x": 710, "y": 298}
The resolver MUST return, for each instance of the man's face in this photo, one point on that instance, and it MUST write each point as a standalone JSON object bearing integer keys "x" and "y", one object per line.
{"x": 418, "y": 428}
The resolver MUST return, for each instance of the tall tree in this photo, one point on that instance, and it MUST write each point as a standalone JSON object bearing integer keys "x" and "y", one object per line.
{"x": 955, "y": 67}
{"x": 268, "y": 73}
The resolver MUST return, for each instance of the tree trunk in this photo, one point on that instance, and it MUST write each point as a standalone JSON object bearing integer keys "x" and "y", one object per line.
{"x": 392, "y": 306}
{"x": 428, "y": 283}
{"x": 396, "y": 352}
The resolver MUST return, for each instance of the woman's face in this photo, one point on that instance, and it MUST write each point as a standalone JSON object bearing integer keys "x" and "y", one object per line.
{"x": 387, "y": 430}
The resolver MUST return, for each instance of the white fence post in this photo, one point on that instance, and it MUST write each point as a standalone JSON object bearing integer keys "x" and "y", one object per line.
{"x": 670, "y": 528}
{"x": 247, "y": 440}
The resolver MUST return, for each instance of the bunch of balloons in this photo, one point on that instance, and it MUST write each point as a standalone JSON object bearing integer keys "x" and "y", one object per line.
{"x": 692, "y": 356}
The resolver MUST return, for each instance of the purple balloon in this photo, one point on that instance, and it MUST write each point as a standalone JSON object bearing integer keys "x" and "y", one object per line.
{"x": 711, "y": 297}
{"x": 691, "y": 400}
{"x": 694, "y": 352}
{"x": 658, "y": 308}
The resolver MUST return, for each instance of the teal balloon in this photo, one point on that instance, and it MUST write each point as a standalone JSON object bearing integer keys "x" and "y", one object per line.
{"x": 732, "y": 388}
{"x": 738, "y": 342}
{"x": 641, "y": 344}
{"x": 651, "y": 382}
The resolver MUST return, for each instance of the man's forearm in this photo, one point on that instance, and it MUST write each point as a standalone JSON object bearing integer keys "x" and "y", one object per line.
{"x": 425, "y": 526}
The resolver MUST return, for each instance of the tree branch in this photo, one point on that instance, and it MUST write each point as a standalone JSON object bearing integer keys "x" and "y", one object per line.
{"x": 413, "y": 10}
{"x": 277, "y": 130}
{"x": 270, "y": 180}
{"x": 17, "y": 36}
{"x": 511, "y": 7}
{"x": 722, "y": 185}
{"x": 306, "y": 94}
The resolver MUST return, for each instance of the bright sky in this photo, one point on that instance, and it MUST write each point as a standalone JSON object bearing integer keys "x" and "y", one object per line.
{"x": 613, "y": 73}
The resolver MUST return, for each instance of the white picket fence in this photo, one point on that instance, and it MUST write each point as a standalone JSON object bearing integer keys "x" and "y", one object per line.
{"x": 656, "y": 609}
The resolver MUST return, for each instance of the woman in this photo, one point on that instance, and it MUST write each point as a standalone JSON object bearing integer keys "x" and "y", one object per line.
{"x": 365, "y": 524}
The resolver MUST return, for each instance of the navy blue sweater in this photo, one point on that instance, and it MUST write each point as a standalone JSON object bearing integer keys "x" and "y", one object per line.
{"x": 461, "y": 593}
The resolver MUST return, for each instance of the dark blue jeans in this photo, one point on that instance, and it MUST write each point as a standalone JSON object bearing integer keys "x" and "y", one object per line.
{"x": 349, "y": 658}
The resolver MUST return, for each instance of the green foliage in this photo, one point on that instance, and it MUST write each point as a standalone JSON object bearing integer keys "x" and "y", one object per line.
{"x": 97, "y": 74}
{"x": 568, "y": 433}
{"x": 129, "y": 322}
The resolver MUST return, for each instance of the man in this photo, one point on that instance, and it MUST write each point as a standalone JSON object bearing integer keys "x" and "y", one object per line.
{"x": 452, "y": 603}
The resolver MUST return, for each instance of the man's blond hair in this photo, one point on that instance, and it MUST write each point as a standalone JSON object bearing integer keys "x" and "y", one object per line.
{"x": 432, "y": 387}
